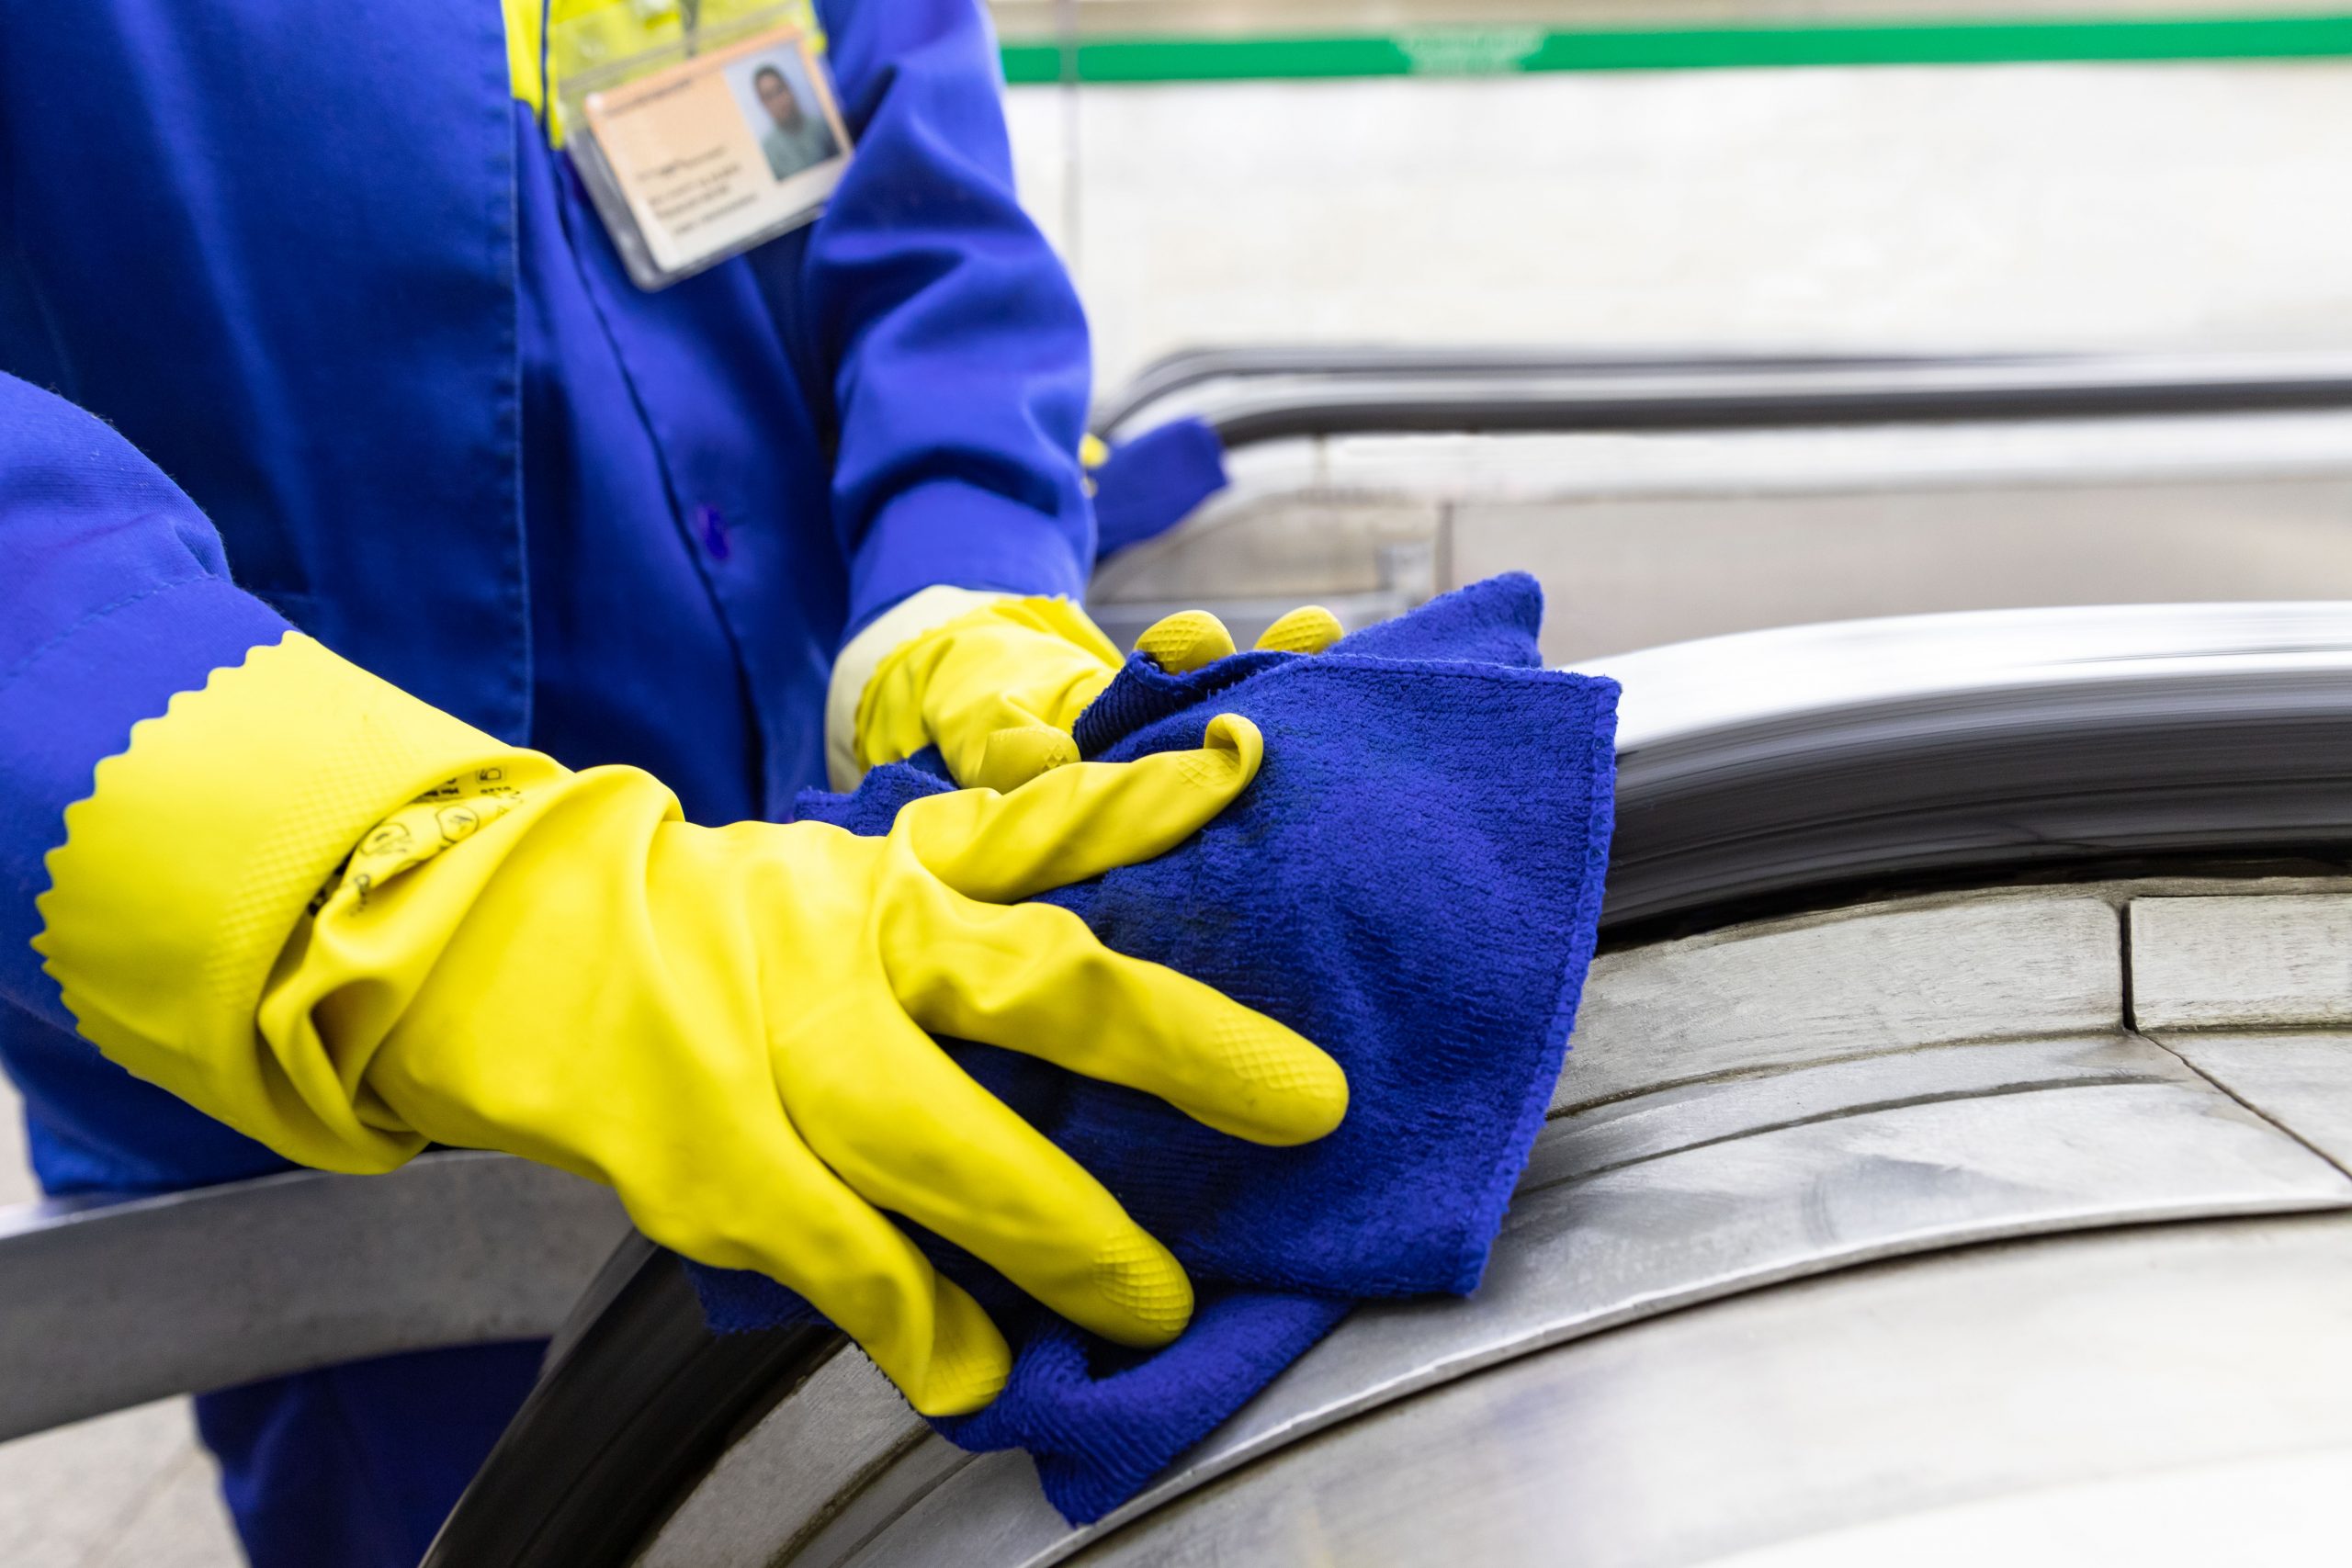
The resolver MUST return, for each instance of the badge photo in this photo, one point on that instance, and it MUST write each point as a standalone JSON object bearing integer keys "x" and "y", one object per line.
{"x": 703, "y": 159}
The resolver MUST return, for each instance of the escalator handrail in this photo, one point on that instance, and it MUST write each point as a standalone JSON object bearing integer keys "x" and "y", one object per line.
{"x": 138, "y": 1297}
{"x": 1185, "y": 371}
{"x": 1434, "y": 393}
{"x": 1794, "y": 766}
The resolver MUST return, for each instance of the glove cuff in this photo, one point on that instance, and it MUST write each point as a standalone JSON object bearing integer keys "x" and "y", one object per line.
{"x": 854, "y": 671}
{"x": 1010, "y": 662}
{"x": 195, "y": 860}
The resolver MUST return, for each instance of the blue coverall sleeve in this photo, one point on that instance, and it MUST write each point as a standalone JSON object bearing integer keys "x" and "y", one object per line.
{"x": 957, "y": 346}
{"x": 113, "y": 596}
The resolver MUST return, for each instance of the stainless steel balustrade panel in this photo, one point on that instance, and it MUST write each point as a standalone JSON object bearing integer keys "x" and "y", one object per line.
{"x": 2278, "y": 961}
{"x": 1711, "y": 1221}
{"x": 1876, "y": 982}
{"x": 2253, "y": 992}
{"x": 115, "y": 1305}
{"x": 846, "y": 1422}
{"x": 820, "y": 1447}
{"x": 2288, "y": 1507}
{"x": 928, "y": 1462}
{"x": 1645, "y": 1126}
{"x": 1965, "y": 1377}
{"x": 2302, "y": 1082}
{"x": 1850, "y": 983}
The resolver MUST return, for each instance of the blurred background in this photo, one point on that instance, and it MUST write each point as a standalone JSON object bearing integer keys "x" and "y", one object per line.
{"x": 1218, "y": 172}
{"x": 1715, "y": 314}
{"x": 2078, "y": 214}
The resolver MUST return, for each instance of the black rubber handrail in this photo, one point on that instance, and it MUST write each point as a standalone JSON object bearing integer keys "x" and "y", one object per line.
{"x": 1365, "y": 392}
{"x": 1188, "y": 368}
{"x": 640, "y": 1401}
{"x": 1471, "y": 409}
{"x": 1981, "y": 787}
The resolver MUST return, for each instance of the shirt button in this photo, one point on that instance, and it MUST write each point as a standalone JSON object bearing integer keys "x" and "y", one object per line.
{"x": 711, "y": 529}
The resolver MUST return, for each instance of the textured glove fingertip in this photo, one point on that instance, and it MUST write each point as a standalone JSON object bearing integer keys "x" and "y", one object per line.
{"x": 1285, "y": 1091}
{"x": 1318, "y": 1099}
{"x": 1231, "y": 751}
{"x": 1145, "y": 1286}
{"x": 1185, "y": 641}
{"x": 1310, "y": 629}
{"x": 969, "y": 1360}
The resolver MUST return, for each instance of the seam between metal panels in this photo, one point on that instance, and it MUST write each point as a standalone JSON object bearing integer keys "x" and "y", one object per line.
{"x": 2248, "y": 1106}
{"x": 1904, "y": 1102}
{"x": 2123, "y": 949}
{"x": 817, "y": 1523}
{"x": 1761, "y": 1071}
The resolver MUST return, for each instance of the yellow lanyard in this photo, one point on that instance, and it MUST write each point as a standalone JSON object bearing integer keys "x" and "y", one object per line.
{"x": 596, "y": 32}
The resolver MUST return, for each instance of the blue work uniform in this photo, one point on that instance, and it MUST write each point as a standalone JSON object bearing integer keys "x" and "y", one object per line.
{"x": 316, "y": 265}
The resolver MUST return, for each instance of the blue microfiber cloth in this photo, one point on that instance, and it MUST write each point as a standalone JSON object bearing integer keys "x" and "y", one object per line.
{"x": 1151, "y": 483}
{"x": 1413, "y": 881}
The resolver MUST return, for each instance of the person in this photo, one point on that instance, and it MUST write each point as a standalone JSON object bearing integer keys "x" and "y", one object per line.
{"x": 794, "y": 141}
{"x": 413, "y": 764}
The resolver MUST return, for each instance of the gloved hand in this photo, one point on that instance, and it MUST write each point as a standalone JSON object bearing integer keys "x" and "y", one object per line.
{"x": 998, "y": 682}
{"x": 729, "y": 1026}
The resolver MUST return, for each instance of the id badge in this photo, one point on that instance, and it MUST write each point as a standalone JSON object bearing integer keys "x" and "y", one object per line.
{"x": 707, "y": 146}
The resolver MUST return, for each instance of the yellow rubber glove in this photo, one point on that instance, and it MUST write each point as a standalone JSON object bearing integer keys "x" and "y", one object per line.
{"x": 730, "y": 1026}
{"x": 996, "y": 682}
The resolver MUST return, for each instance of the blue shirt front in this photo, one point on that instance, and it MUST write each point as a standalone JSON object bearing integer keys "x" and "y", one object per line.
{"x": 631, "y": 659}
{"x": 366, "y": 363}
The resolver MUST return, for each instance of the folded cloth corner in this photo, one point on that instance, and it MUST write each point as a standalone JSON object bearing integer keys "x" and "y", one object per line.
{"x": 1413, "y": 882}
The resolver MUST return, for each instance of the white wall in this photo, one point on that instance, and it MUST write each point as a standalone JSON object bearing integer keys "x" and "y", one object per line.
{"x": 2172, "y": 205}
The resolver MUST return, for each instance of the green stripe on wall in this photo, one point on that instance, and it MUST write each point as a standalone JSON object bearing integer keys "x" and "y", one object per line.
{"x": 1483, "y": 51}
